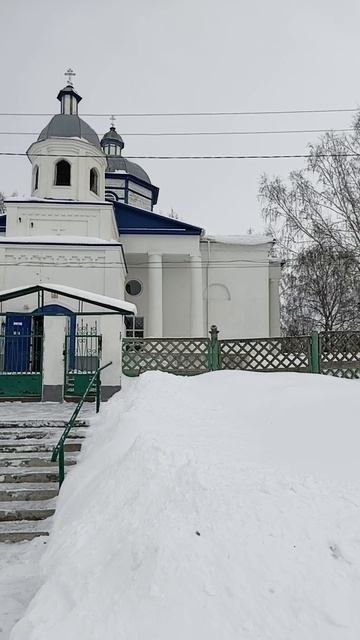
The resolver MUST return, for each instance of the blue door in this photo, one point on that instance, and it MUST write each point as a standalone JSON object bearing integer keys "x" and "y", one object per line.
{"x": 17, "y": 344}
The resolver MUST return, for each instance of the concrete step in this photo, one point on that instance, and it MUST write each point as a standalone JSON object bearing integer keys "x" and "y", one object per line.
{"x": 10, "y": 511}
{"x": 17, "y": 460}
{"x": 25, "y": 491}
{"x": 28, "y": 478}
{"x": 25, "y": 530}
{"x": 52, "y": 435}
{"x": 11, "y": 446}
{"x": 30, "y": 474}
{"x": 41, "y": 424}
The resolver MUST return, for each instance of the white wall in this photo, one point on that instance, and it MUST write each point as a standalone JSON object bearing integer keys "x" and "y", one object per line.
{"x": 75, "y": 266}
{"x": 59, "y": 219}
{"x": 235, "y": 287}
{"x": 177, "y": 300}
{"x": 241, "y": 273}
{"x": 274, "y": 298}
{"x": 160, "y": 244}
{"x": 80, "y": 154}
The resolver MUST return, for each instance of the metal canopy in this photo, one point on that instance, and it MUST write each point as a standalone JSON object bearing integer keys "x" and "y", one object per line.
{"x": 96, "y": 299}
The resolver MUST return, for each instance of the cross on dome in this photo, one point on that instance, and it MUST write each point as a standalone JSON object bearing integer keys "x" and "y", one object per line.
{"x": 112, "y": 121}
{"x": 70, "y": 74}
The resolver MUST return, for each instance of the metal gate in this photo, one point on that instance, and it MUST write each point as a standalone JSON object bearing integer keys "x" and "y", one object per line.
{"x": 21, "y": 357}
{"x": 82, "y": 358}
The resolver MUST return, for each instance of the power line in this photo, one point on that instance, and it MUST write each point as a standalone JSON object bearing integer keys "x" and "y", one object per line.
{"x": 200, "y": 157}
{"x": 195, "y": 113}
{"x": 200, "y": 133}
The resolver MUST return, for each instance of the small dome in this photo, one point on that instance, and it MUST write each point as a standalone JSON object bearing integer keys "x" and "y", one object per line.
{"x": 112, "y": 145}
{"x": 118, "y": 163}
{"x": 69, "y": 126}
{"x": 112, "y": 136}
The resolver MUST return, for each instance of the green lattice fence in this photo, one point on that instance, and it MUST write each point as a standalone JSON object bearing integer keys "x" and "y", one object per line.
{"x": 336, "y": 354}
{"x": 186, "y": 356}
{"x": 339, "y": 354}
{"x": 266, "y": 354}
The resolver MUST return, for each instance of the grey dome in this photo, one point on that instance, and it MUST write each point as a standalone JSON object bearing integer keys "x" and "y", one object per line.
{"x": 118, "y": 163}
{"x": 69, "y": 126}
{"x": 112, "y": 136}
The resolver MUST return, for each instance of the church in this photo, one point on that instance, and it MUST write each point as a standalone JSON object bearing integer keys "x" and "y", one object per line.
{"x": 90, "y": 223}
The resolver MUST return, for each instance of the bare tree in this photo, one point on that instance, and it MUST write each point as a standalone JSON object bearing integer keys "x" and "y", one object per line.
{"x": 320, "y": 291}
{"x": 320, "y": 203}
{"x": 315, "y": 215}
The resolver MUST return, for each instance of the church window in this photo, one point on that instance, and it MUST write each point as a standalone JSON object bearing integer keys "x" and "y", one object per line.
{"x": 94, "y": 181}
{"x": 133, "y": 287}
{"x": 36, "y": 177}
{"x": 218, "y": 292}
{"x": 134, "y": 326}
{"x": 63, "y": 173}
{"x": 110, "y": 195}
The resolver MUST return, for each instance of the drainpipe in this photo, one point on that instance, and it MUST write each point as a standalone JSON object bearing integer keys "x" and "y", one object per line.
{"x": 207, "y": 284}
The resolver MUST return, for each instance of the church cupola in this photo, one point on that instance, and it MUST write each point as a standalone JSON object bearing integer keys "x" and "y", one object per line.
{"x": 125, "y": 181}
{"x": 68, "y": 98}
{"x": 112, "y": 143}
{"x": 68, "y": 162}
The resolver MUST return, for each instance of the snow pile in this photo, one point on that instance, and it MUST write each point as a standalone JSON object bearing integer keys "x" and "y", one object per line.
{"x": 221, "y": 507}
{"x": 19, "y": 580}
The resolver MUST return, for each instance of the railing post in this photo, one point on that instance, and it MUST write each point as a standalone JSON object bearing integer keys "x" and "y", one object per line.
{"x": 214, "y": 356}
{"x": 314, "y": 355}
{"x": 98, "y": 393}
{"x": 61, "y": 464}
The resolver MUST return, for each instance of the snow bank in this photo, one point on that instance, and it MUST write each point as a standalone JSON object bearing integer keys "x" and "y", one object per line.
{"x": 221, "y": 507}
{"x": 19, "y": 580}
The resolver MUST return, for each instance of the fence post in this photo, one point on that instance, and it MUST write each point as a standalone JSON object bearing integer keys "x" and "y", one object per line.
{"x": 314, "y": 348}
{"x": 214, "y": 359}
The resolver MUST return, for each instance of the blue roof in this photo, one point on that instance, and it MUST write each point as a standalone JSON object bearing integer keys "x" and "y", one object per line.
{"x": 133, "y": 220}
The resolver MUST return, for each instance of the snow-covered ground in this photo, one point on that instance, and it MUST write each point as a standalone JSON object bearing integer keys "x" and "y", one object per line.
{"x": 19, "y": 580}
{"x": 47, "y": 411}
{"x": 220, "y": 507}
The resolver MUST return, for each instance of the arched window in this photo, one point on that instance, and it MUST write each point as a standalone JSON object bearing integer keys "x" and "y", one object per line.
{"x": 36, "y": 177}
{"x": 218, "y": 292}
{"x": 94, "y": 181}
{"x": 63, "y": 173}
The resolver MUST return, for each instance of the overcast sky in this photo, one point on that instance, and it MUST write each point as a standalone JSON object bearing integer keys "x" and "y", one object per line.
{"x": 183, "y": 55}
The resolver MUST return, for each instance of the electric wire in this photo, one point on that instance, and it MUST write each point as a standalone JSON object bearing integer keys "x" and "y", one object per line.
{"x": 193, "y": 113}
{"x": 201, "y": 133}
{"x": 192, "y": 157}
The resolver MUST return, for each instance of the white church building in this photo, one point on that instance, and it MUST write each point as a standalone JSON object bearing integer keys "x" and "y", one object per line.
{"x": 89, "y": 223}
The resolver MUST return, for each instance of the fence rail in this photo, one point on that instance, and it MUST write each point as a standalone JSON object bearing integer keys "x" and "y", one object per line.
{"x": 339, "y": 353}
{"x": 266, "y": 354}
{"x": 333, "y": 353}
{"x": 187, "y": 356}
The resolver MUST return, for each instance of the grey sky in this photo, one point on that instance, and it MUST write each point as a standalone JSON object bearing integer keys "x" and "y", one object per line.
{"x": 183, "y": 55}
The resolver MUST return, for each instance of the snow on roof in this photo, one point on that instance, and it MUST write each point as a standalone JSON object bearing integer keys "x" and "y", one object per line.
{"x": 97, "y": 299}
{"x": 60, "y": 240}
{"x": 249, "y": 239}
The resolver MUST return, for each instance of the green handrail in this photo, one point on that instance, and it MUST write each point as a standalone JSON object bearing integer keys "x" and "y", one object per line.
{"x": 59, "y": 451}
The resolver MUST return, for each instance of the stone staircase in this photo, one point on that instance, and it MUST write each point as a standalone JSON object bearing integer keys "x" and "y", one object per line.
{"x": 28, "y": 478}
